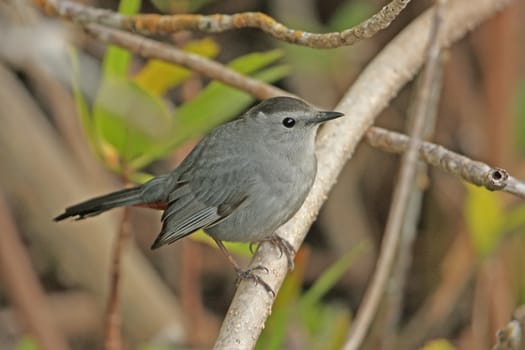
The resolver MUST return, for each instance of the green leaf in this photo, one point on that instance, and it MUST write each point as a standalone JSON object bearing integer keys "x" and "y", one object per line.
{"x": 515, "y": 219}
{"x": 330, "y": 277}
{"x": 158, "y": 76}
{"x": 238, "y": 248}
{"x": 179, "y": 6}
{"x": 254, "y": 61}
{"x": 116, "y": 60}
{"x": 129, "y": 7}
{"x": 331, "y": 324}
{"x": 26, "y": 343}
{"x": 215, "y": 104}
{"x": 129, "y": 119}
{"x": 485, "y": 218}
{"x": 138, "y": 177}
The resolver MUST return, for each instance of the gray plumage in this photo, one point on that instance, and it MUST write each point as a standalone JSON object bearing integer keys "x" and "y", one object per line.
{"x": 240, "y": 183}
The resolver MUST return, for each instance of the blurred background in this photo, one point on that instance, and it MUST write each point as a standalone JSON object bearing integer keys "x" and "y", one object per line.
{"x": 78, "y": 119}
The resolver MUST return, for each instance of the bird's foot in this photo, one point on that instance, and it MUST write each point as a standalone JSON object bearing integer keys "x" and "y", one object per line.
{"x": 250, "y": 274}
{"x": 285, "y": 248}
{"x": 282, "y": 244}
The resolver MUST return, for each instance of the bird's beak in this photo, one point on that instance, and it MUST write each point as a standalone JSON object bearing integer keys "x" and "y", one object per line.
{"x": 324, "y": 116}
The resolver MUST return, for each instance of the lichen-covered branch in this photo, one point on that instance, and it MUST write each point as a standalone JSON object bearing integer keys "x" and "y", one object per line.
{"x": 149, "y": 24}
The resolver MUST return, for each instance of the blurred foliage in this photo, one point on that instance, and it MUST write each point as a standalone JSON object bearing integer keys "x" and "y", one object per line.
{"x": 238, "y": 248}
{"x": 438, "y": 344}
{"x": 27, "y": 343}
{"x": 484, "y": 216}
{"x": 159, "y": 76}
{"x": 179, "y": 6}
{"x": 349, "y": 14}
{"x": 322, "y": 325}
{"x": 487, "y": 220}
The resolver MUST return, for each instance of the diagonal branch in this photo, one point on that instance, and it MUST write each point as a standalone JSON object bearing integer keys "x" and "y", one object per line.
{"x": 149, "y": 24}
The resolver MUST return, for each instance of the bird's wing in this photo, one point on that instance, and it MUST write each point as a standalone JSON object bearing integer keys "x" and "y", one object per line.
{"x": 203, "y": 198}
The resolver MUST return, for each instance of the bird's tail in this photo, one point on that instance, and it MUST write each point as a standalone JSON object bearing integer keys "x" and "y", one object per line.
{"x": 95, "y": 206}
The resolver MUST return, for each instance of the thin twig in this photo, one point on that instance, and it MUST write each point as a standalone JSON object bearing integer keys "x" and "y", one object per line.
{"x": 164, "y": 24}
{"x": 23, "y": 288}
{"x": 475, "y": 172}
{"x": 401, "y": 195}
{"x": 113, "y": 335}
{"x": 394, "y": 295}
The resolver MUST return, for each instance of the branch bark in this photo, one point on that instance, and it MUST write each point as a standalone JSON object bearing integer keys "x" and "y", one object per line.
{"x": 475, "y": 172}
{"x": 149, "y": 24}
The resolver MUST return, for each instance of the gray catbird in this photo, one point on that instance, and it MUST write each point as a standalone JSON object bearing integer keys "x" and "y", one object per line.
{"x": 240, "y": 183}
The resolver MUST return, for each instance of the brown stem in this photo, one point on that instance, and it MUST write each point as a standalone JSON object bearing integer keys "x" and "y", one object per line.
{"x": 112, "y": 329}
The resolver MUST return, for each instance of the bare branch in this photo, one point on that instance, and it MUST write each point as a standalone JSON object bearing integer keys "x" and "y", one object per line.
{"x": 113, "y": 321}
{"x": 402, "y": 191}
{"x": 475, "y": 172}
{"x": 164, "y": 24}
{"x": 394, "y": 294}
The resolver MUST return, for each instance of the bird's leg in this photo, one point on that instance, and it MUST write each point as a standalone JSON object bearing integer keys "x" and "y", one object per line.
{"x": 245, "y": 274}
{"x": 282, "y": 244}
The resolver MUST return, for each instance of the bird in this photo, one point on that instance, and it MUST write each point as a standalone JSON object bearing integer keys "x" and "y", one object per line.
{"x": 241, "y": 182}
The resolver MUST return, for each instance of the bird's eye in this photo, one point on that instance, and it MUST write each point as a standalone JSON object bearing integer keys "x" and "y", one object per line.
{"x": 288, "y": 122}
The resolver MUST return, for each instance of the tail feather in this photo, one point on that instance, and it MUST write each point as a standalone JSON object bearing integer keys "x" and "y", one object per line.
{"x": 95, "y": 206}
